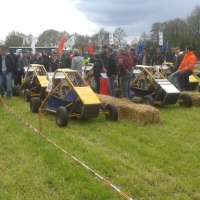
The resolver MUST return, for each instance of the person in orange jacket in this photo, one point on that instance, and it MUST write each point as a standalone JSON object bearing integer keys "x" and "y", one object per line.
{"x": 186, "y": 68}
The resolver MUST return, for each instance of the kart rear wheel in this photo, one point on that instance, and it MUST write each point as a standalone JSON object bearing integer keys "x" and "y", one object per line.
{"x": 15, "y": 90}
{"x": 62, "y": 116}
{"x": 35, "y": 103}
{"x": 185, "y": 100}
{"x": 148, "y": 100}
{"x": 27, "y": 95}
{"x": 112, "y": 112}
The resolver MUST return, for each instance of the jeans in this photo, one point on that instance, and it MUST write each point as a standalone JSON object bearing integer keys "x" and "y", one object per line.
{"x": 6, "y": 83}
{"x": 125, "y": 84}
{"x": 175, "y": 80}
{"x": 111, "y": 85}
{"x": 184, "y": 79}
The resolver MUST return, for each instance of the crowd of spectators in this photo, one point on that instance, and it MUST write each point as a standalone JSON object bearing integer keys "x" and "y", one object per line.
{"x": 116, "y": 65}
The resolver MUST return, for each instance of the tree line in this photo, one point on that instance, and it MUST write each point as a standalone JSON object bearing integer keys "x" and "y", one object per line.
{"x": 177, "y": 32}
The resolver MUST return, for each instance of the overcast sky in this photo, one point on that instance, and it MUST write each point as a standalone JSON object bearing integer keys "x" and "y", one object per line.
{"x": 88, "y": 16}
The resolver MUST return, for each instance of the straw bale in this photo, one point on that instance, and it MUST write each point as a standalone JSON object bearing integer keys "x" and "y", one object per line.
{"x": 136, "y": 113}
{"x": 195, "y": 97}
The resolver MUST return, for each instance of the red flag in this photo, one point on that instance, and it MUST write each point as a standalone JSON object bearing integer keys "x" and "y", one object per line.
{"x": 91, "y": 49}
{"x": 61, "y": 45}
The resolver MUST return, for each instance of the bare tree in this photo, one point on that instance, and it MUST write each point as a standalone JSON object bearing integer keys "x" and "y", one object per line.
{"x": 103, "y": 37}
{"x": 193, "y": 22}
{"x": 1, "y": 42}
{"x": 144, "y": 36}
{"x": 81, "y": 41}
{"x": 119, "y": 35}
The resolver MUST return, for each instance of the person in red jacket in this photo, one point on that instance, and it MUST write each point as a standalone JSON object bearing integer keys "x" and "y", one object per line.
{"x": 124, "y": 65}
{"x": 186, "y": 68}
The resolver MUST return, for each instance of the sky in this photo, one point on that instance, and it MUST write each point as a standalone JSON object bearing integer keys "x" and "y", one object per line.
{"x": 89, "y": 16}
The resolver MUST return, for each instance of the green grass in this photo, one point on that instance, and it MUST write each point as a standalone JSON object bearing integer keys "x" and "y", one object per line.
{"x": 150, "y": 162}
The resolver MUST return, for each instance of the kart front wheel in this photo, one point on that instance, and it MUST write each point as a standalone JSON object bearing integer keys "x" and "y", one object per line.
{"x": 112, "y": 112}
{"x": 27, "y": 95}
{"x": 185, "y": 100}
{"x": 62, "y": 116}
{"x": 148, "y": 100}
{"x": 35, "y": 103}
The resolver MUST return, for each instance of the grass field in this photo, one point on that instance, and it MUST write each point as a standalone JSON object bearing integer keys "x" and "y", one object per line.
{"x": 150, "y": 162}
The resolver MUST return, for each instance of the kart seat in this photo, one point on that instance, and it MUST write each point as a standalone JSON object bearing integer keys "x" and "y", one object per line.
{"x": 31, "y": 83}
{"x": 141, "y": 83}
{"x": 64, "y": 88}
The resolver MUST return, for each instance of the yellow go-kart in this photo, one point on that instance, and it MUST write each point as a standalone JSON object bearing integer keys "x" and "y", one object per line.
{"x": 151, "y": 87}
{"x": 34, "y": 83}
{"x": 69, "y": 95}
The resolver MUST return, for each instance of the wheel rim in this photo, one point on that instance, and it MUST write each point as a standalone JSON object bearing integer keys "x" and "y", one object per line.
{"x": 58, "y": 119}
{"x": 146, "y": 102}
{"x": 25, "y": 96}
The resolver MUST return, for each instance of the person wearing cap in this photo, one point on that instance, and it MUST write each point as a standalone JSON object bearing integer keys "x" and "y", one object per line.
{"x": 6, "y": 67}
{"x": 158, "y": 58}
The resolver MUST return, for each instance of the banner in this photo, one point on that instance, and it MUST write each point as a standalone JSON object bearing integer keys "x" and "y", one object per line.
{"x": 111, "y": 38}
{"x": 160, "y": 35}
{"x": 70, "y": 41}
{"x": 140, "y": 47}
{"x": 33, "y": 47}
{"x": 61, "y": 45}
{"x": 91, "y": 49}
{"x": 24, "y": 41}
{"x": 165, "y": 46}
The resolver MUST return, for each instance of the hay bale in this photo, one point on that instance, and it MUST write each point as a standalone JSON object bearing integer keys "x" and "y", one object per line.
{"x": 195, "y": 97}
{"x": 136, "y": 113}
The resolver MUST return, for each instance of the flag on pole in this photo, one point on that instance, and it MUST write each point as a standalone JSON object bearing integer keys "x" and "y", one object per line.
{"x": 24, "y": 41}
{"x": 91, "y": 49}
{"x": 160, "y": 38}
{"x": 140, "y": 47}
{"x": 70, "y": 41}
{"x": 61, "y": 45}
{"x": 165, "y": 46}
{"x": 33, "y": 47}
{"x": 111, "y": 38}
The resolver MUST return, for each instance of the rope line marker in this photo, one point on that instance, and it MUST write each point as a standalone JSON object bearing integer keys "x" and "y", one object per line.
{"x": 64, "y": 151}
